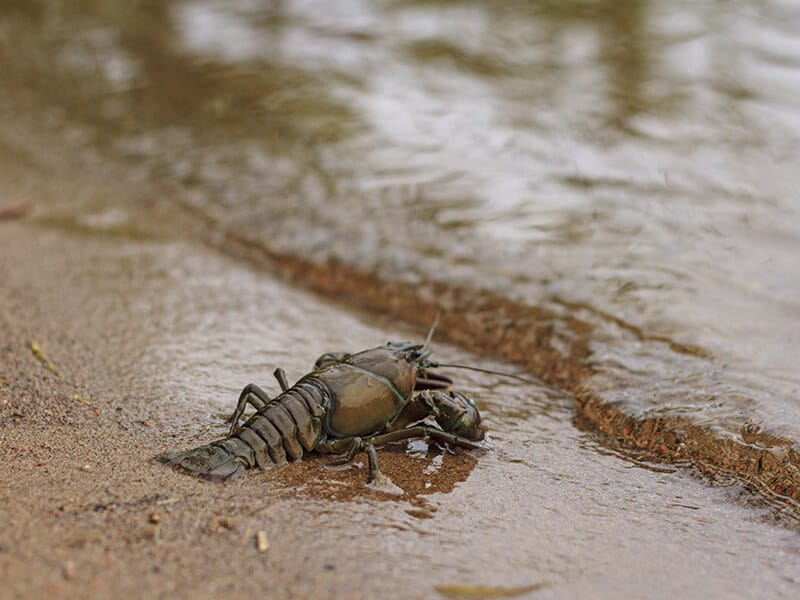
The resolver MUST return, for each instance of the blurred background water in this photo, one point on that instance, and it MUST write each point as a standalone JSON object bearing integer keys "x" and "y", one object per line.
{"x": 632, "y": 162}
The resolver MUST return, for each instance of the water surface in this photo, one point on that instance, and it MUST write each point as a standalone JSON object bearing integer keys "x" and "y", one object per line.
{"x": 631, "y": 163}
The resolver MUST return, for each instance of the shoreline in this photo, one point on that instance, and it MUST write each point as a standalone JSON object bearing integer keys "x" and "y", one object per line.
{"x": 487, "y": 324}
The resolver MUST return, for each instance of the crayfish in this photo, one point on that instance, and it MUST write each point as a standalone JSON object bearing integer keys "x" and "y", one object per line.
{"x": 349, "y": 403}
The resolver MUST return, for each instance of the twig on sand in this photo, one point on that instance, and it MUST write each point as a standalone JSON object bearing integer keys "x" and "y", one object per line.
{"x": 13, "y": 211}
{"x": 37, "y": 352}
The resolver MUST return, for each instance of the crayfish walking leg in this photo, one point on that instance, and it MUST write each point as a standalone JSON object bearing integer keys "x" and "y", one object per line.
{"x": 255, "y": 397}
{"x": 355, "y": 445}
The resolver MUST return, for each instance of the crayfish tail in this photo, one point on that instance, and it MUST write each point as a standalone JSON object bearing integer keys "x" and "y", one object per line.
{"x": 212, "y": 462}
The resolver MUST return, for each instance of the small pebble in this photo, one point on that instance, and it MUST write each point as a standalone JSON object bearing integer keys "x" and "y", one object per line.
{"x": 262, "y": 543}
{"x": 68, "y": 570}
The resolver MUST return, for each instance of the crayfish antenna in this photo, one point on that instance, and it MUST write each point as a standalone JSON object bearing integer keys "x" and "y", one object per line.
{"x": 431, "y": 330}
{"x": 490, "y": 371}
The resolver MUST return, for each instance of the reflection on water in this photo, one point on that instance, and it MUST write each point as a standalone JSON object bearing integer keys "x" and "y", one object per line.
{"x": 633, "y": 158}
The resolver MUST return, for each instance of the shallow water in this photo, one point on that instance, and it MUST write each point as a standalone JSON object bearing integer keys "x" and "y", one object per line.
{"x": 631, "y": 163}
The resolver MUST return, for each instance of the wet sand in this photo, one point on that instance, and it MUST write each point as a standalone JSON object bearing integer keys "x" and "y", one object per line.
{"x": 143, "y": 337}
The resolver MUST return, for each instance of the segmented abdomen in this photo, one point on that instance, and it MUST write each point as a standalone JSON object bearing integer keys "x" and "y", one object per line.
{"x": 288, "y": 425}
